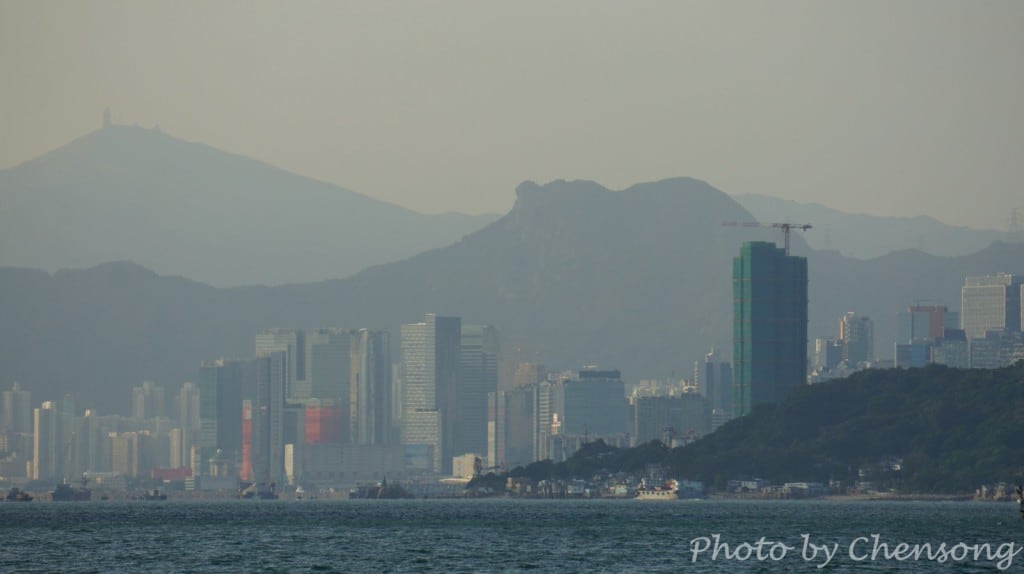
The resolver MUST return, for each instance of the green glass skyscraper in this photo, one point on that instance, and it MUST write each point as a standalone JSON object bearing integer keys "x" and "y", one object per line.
{"x": 769, "y": 324}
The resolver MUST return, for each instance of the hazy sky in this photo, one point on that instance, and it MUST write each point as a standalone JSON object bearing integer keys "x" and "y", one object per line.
{"x": 891, "y": 108}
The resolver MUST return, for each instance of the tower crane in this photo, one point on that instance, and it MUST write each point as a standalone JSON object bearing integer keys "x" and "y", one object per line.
{"x": 785, "y": 227}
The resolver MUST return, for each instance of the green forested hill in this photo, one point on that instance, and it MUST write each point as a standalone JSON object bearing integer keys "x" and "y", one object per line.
{"x": 953, "y": 430}
{"x": 949, "y": 430}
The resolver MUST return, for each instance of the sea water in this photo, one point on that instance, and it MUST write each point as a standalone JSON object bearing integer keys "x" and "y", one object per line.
{"x": 508, "y": 535}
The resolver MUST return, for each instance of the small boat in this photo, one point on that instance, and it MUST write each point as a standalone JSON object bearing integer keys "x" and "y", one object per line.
{"x": 380, "y": 490}
{"x": 262, "y": 491}
{"x": 155, "y": 494}
{"x": 266, "y": 491}
{"x": 18, "y": 495}
{"x": 667, "y": 491}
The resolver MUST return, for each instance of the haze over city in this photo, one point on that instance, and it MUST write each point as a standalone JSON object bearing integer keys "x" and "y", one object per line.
{"x": 885, "y": 108}
{"x": 269, "y": 270}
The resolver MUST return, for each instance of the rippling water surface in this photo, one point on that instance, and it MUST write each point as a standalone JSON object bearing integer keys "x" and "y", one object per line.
{"x": 498, "y": 536}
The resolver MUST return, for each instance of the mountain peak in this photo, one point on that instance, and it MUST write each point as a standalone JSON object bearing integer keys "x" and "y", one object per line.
{"x": 528, "y": 189}
{"x": 188, "y": 209}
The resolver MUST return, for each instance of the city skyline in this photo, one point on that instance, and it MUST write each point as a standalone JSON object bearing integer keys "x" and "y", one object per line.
{"x": 238, "y": 419}
{"x": 995, "y": 303}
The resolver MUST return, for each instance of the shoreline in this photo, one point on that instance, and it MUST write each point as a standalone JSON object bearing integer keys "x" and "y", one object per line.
{"x": 874, "y": 497}
{"x": 907, "y": 497}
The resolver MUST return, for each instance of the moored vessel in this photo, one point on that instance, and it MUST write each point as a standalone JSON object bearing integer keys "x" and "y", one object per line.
{"x": 667, "y": 491}
{"x": 18, "y": 495}
{"x": 379, "y": 490}
{"x": 67, "y": 493}
{"x": 262, "y": 490}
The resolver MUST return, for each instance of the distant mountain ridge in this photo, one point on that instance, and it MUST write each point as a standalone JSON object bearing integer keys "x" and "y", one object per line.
{"x": 868, "y": 236}
{"x": 574, "y": 274}
{"x": 188, "y": 209}
{"x": 181, "y": 208}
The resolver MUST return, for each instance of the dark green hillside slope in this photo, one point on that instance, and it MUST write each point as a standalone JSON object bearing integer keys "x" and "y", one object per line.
{"x": 948, "y": 431}
{"x": 951, "y": 429}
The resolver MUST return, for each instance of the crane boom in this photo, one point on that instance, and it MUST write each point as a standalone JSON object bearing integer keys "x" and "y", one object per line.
{"x": 785, "y": 227}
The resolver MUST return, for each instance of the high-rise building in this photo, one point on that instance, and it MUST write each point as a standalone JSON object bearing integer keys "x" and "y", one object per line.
{"x": 544, "y": 418}
{"x": 991, "y": 303}
{"x": 85, "y": 445}
{"x": 66, "y": 410}
{"x": 430, "y": 353}
{"x": 715, "y": 382}
{"x": 996, "y": 349}
{"x": 292, "y": 342}
{"x": 593, "y": 404}
{"x": 328, "y": 364}
{"x": 827, "y": 354}
{"x": 769, "y": 325}
{"x": 478, "y": 376}
{"x": 576, "y": 408}
{"x": 528, "y": 374}
{"x": 294, "y": 436}
{"x": 102, "y": 428}
{"x": 17, "y": 410}
{"x": 323, "y": 422}
{"x": 46, "y": 436}
{"x": 17, "y": 420}
{"x": 952, "y": 350}
{"x": 930, "y": 334}
{"x": 511, "y": 432}
{"x": 147, "y": 401}
{"x": 665, "y": 418}
{"x": 177, "y": 459}
{"x": 926, "y": 323}
{"x": 246, "y": 471}
{"x": 268, "y": 417}
{"x": 187, "y": 403}
{"x": 370, "y": 399}
{"x": 125, "y": 453}
{"x": 220, "y": 407}
{"x": 914, "y": 354}
{"x": 137, "y": 453}
{"x": 206, "y": 439}
{"x": 328, "y": 379}
{"x": 857, "y": 336}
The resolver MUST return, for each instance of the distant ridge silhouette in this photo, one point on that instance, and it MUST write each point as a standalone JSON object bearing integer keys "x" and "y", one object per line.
{"x": 867, "y": 236}
{"x": 182, "y": 208}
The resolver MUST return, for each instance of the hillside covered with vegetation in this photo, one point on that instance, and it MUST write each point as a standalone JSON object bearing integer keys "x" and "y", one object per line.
{"x": 930, "y": 430}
